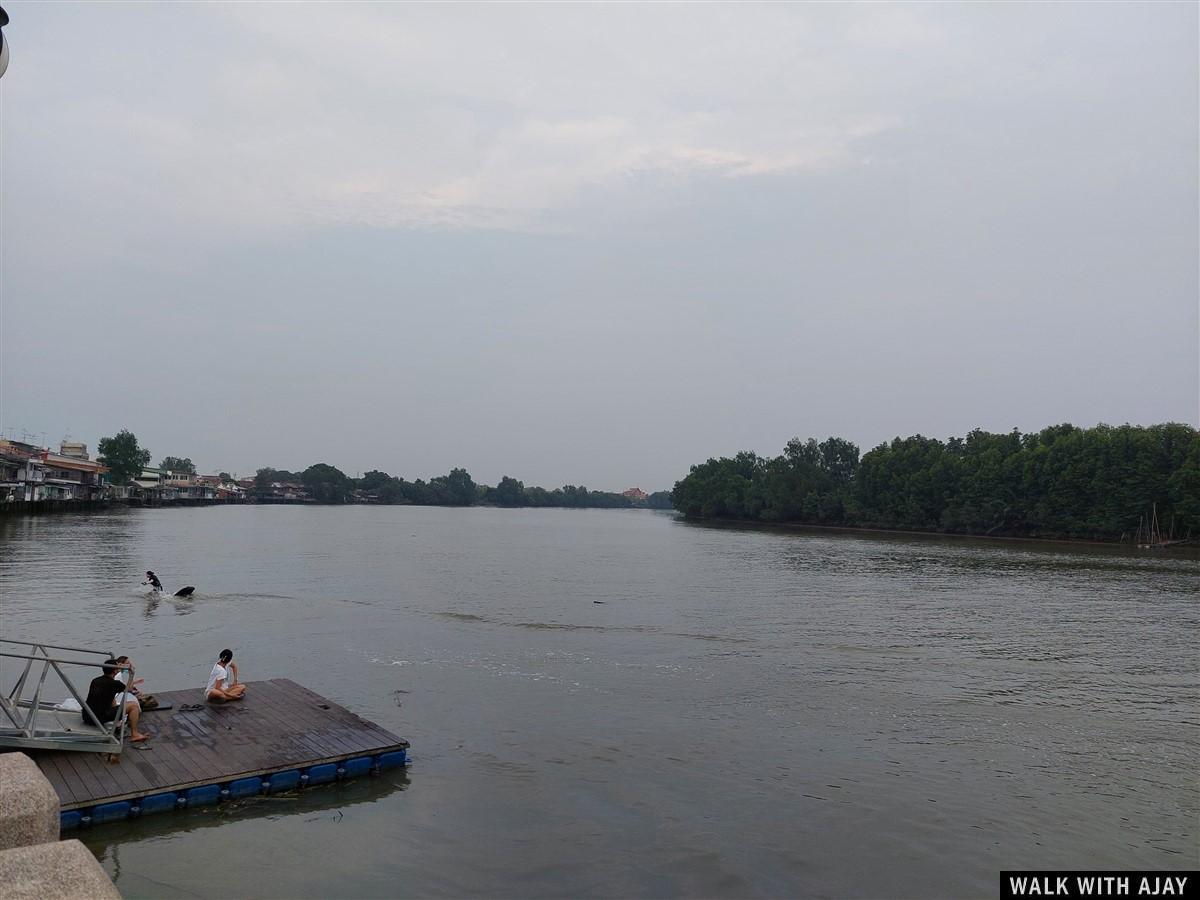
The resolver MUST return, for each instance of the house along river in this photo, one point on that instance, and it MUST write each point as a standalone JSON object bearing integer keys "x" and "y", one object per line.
{"x": 617, "y": 703}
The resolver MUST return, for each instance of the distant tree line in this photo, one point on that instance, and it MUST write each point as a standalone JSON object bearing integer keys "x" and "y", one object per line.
{"x": 1063, "y": 482}
{"x": 324, "y": 483}
{"x": 328, "y": 484}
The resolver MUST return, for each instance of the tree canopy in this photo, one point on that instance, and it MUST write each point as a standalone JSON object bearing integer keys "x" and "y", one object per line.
{"x": 179, "y": 465}
{"x": 265, "y": 477}
{"x": 1061, "y": 482}
{"x": 327, "y": 484}
{"x": 124, "y": 458}
{"x": 509, "y": 492}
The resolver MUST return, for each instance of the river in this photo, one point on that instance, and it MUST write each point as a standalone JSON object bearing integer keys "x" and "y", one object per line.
{"x": 608, "y": 703}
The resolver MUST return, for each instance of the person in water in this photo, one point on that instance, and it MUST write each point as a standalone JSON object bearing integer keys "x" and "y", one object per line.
{"x": 223, "y": 682}
{"x": 152, "y": 579}
{"x": 104, "y": 701}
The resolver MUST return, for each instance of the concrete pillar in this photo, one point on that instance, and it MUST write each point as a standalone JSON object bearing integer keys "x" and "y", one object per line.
{"x": 33, "y": 861}
{"x": 28, "y": 804}
{"x": 64, "y": 870}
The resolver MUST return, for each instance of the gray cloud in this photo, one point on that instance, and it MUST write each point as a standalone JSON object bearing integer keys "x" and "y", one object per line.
{"x": 593, "y": 243}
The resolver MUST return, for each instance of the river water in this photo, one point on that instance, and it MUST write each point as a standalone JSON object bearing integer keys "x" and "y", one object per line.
{"x": 610, "y": 703}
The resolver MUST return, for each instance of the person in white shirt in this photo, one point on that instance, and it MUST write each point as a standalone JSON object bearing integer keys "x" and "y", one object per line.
{"x": 123, "y": 675}
{"x": 223, "y": 682}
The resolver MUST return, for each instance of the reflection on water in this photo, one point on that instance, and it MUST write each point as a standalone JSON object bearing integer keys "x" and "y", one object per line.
{"x": 616, "y": 703}
{"x": 291, "y": 816}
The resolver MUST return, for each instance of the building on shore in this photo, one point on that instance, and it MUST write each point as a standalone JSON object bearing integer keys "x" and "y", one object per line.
{"x": 22, "y": 474}
{"x": 636, "y": 494}
{"x": 33, "y": 474}
{"x": 72, "y": 478}
{"x": 223, "y": 488}
{"x": 74, "y": 449}
{"x": 33, "y": 477}
{"x": 150, "y": 479}
{"x": 286, "y": 492}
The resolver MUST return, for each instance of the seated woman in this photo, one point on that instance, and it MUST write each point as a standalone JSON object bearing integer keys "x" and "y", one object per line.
{"x": 136, "y": 694}
{"x": 123, "y": 675}
{"x": 223, "y": 680}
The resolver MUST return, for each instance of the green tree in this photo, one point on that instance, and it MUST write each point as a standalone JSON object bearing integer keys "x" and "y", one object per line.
{"x": 178, "y": 465}
{"x": 418, "y": 493}
{"x": 374, "y": 480}
{"x": 509, "y": 492}
{"x": 225, "y": 476}
{"x": 1061, "y": 482}
{"x": 455, "y": 489}
{"x": 659, "y": 500}
{"x": 124, "y": 458}
{"x": 265, "y": 477}
{"x": 723, "y": 488}
{"x": 326, "y": 483}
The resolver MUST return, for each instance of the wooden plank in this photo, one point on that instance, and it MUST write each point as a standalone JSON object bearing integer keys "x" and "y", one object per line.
{"x": 148, "y": 770}
{"x": 361, "y": 725}
{"x": 305, "y": 741}
{"x": 109, "y": 772}
{"x": 161, "y": 762}
{"x": 353, "y": 733}
{"x": 86, "y": 783}
{"x": 193, "y": 744}
{"x": 291, "y": 713}
{"x": 280, "y": 726}
{"x": 273, "y": 705}
{"x": 336, "y": 720}
{"x": 57, "y": 778}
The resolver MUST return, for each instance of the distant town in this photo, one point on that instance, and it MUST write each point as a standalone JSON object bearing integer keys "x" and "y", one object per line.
{"x": 35, "y": 478}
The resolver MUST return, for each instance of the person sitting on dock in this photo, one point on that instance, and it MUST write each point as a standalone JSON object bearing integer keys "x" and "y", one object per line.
{"x": 140, "y": 697}
{"x": 223, "y": 680}
{"x": 124, "y": 673}
{"x": 152, "y": 580}
{"x": 103, "y": 701}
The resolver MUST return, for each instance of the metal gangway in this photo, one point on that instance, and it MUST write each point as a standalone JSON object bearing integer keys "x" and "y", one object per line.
{"x": 29, "y": 719}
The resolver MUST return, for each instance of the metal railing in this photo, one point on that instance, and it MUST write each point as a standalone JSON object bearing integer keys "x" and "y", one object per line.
{"x": 28, "y": 721}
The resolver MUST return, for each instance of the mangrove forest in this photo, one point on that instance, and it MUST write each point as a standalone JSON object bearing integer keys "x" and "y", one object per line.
{"x": 1062, "y": 482}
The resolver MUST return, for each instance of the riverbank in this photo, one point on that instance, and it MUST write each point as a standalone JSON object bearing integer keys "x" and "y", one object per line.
{"x": 65, "y": 506}
{"x": 1186, "y": 546}
{"x": 17, "y": 507}
{"x": 86, "y": 506}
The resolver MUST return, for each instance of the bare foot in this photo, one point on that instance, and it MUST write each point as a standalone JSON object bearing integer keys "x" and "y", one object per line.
{"x": 139, "y": 737}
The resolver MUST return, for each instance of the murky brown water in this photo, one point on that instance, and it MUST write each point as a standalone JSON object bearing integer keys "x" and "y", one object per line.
{"x": 745, "y": 713}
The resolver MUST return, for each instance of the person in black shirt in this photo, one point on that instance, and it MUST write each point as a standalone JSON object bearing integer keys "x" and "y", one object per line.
{"x": 103, "y": 693}
{"x": 152, "y": 580}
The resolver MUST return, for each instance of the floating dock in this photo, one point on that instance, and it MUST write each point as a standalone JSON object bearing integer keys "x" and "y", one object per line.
{"x": 281, "y": 737}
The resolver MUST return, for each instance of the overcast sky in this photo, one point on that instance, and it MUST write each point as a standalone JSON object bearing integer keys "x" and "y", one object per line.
{"x": 593, "y": 244}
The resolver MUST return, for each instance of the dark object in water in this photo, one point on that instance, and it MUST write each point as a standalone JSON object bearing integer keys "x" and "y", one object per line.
{"x": 185, "y": 592}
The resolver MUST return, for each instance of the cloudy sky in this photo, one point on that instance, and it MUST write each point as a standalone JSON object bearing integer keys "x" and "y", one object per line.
{"x": 592, "y": 243}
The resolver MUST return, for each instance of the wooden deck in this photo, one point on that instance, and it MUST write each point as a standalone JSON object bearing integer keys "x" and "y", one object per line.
{"x": 280, "y": 727}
